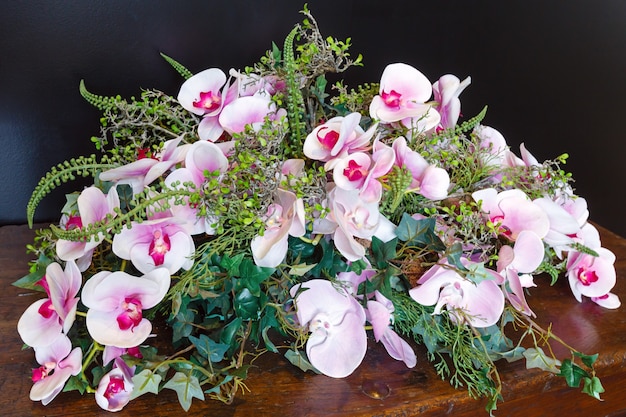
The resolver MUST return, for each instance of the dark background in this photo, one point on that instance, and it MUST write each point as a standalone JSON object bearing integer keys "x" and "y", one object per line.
{"x": 550, "y": 71}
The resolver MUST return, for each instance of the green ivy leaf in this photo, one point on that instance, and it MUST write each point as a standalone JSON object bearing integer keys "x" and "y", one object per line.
{"x": 182, "y": 325}
{"x": 300, "y": 361}
{"x": 246, "y": 305}
{"x": 382, "y": 252}
{"x": 145, "y": 381}
{"x": 229, "y": 331}
{"x": 209, "y": 348}
{"x": 187, "y": 387}
{"x": 572, "y": 373}
{"x": 75, "y": 383}
{"x": 420, "y": 233}
{"x": 588, "y": 360}
{"x": 536, "y": 358}
{"x": 593, "y": 387}
{"x": 231, "y": 265}
{"x": 252, "y": 275}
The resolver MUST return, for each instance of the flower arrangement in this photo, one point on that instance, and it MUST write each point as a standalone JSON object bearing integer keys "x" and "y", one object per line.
{"x": 265, "y": 203}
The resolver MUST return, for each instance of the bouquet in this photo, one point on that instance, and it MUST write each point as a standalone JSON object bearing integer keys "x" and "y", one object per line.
{"x": 268, "y": 204}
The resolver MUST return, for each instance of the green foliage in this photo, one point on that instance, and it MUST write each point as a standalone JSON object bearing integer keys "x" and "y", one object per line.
{"x": 63, "y": 173}
{"x": 180, "y": 68}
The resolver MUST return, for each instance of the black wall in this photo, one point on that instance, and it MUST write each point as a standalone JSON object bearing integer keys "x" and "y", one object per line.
{"x": 552, "y": 72}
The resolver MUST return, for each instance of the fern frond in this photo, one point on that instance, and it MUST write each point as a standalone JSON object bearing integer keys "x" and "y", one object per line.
{"x": 62, "y": 173}
{"x": 295, "y": 101}
{"x": 100, "y": 102}
{"x": 180, "y": 68}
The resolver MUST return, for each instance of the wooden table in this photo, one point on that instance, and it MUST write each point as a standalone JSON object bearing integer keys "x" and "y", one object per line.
{"x": 279, "y": 389}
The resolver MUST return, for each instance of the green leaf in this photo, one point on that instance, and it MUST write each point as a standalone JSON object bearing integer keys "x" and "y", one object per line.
{"x": 230, "y": 330}
{"x": 75, "y": 383}
{"x": 182, "y": 325}
{"x": 252, "y": 276}
{"x": 246, "y": 305}
{"x": 536, "y": 358}
{"x": 300, "y": 361}
{"x": 30, "y": 281}
{"x": 145, "y": 381}
{"x": 383, "y": 251}
{"x": 454, "y": 254}
{"x": 572, "y": 373}
{"x": 231, "y": 265}
{"x": 187, "y": 387}
{"x": 420, "y": 233}
{"x": 209, "y": 348}
{"x": 593, "y": 387}
{"x": 588, "y": 360}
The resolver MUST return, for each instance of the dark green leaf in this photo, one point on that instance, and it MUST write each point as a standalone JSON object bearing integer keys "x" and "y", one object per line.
{"x": 572, "y": 373}
{"x": 182, "y": 325}
{"x": 246, "y": 305}
{"x": 419, "y": 233}
{"x": 588, "y": 360}
{"x": 383, "y": 251}
{"x": 230, "y": 330}
{"x": 209, "y": 348}
{"x": 252, "y": 275}
{"x": 231, "y": 265}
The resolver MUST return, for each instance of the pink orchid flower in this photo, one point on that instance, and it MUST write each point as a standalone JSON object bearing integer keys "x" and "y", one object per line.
{"x": 350, "y": 218}
{"x": 157, "y": 243}
{"x": 428, "y": 180}
{"x": 250, "y": 110}
{"x": 380, "y": 315}
{"x": 513, "y": 211}
{"x": 112, "y": 352}
{"x": 608, "y": 300}
{"x": 202, "y": 157}
{"x": 251, "y": 84}
{"x": 58, "y": 363}
{"x": 115, "y": 387}
{"x": 564, "y": 227}
{"x": 205, "y": 94}
{"x": 284, "y": 218}
{"x": 591, "y": 276}
{"x": 480, "y": 305}
{"x": 116, "y": 301}
{"x": 336, "y": 138}
{"x": 517, "y": 263}
{"x": 495, "y": 146}
{"x": 142, "y": 172}
{"x": 402, "y": 97}
{"x": 447, "y": 91}
{"x": 46, "y": 319}
{"x": 360, "y": 171}
{"x": 93, "y": 206}
{"x": 338, "y": 341}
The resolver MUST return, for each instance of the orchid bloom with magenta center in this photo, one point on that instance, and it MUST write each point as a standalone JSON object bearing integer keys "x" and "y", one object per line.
{"x": 336, "y": 321}
{"x": 116, "y": 301}
{"x": 46, "y": 319}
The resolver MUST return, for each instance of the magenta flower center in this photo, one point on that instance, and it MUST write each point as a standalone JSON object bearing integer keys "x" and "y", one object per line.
{"x": 131, "y": 314}
{"x": 354, "y": 171}
{"x": 208, "y": 101}
{"x": 43, "y": 371}
{"x": 328, "y": 140}
{"x": 46, "y": 310}
{"x": 392, "y": 98}
{"x": 586, "y": 276}
{"x": 116, "y": 385}
{"x": 74, "y": 222}
{"x": 159, "y": 246}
